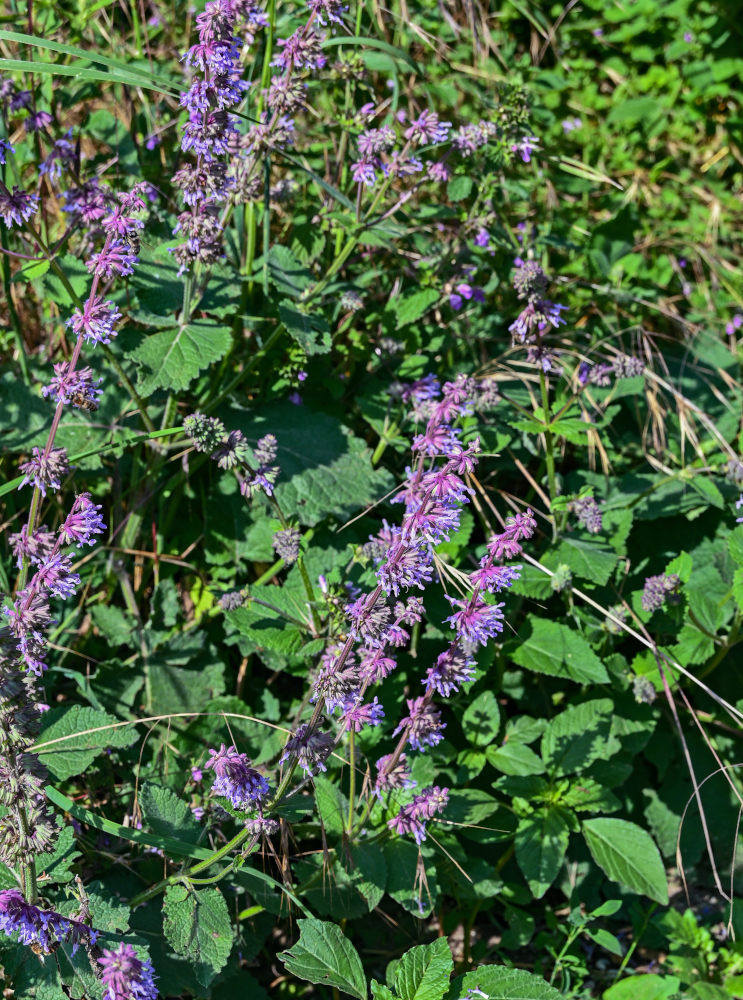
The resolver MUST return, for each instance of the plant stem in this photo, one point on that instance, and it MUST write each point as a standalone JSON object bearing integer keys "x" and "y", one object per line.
{"x": 549, "y": 446}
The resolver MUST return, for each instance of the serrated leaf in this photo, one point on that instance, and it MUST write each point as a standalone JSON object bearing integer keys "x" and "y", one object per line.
{"x": 323, "y": 955}
{"x": 459, "y": 187}
{"x": 423, "y": 972}
{"x": 412, "y": 307}
{"x": 556, "y": 649}
{"x": 325, "y": 469}
{"x": 578, "y": 736}
{"x": 285, "y": 272}
{"x": 541, "y": 842}
{"x": 586, "y": 559}
{"x": 381, "y": 992}
{"x": 495, "y": 982}
{"x": 175, "y": 357}
{"x": 627, "y": 854}
{"x": 197, "y": 925}
{"x": 481, "y": 721}
{"x": 164, "y": 812}
{"x": 73, "y": 737}
{"x": 310, "y": 330}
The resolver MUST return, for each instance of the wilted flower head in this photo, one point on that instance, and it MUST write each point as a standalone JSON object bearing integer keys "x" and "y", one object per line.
{"x": 657, "y": 589}
{"x": 206, "y": 433}
{"x": 45, "y": 471}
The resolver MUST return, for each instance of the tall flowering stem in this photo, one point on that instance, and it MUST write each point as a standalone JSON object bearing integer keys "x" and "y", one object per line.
{"x": 28, "y": 829}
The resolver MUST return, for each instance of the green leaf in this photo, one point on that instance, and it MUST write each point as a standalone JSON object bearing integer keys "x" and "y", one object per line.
{"x": 627, "y": 854}
{"x": 368, "y": 872}
{"x": 324, "y": 956}
{"x": 541, "y": 843}
{"x": 555, "y": 649}
{"x": 73, "y": 737}
{"x": 175, "y": 357}
{"x": 496, "y": 982}
{"x": 586, "y": 560}
{"x": 587, "y": 795}
{"x": 481, "y": 721}
{"x": 332, "y": 804}
{"x": 381, "y": 992}
{"x": 411, "y": 307}
{"x": 644, "y": 987}
{"x": 325, "y": 469}
{"x": 578, "y": 736}
{"x": 164, "y": 812}
{"x": 197, "y": 925}
{"x": 423, "y": 972}
{"x": 310, "y": 330}
{"x": 459, "y": 187}
{"x": 515, "y": 758}
{"x": 286, "y": 273}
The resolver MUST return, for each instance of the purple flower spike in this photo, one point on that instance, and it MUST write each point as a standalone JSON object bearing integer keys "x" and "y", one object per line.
{"x": 236, "y": 779}
{"x": 96, "y": 321}
{"x": 17, "y": 206}
{"x": 82, "y": 522}
{"x": 125, "y": 976}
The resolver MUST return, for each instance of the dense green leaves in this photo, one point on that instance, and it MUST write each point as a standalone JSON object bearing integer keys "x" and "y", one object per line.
{"x": 74, "y": 737}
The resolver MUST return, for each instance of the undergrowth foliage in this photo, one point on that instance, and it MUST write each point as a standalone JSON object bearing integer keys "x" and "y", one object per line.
{"x": 371, "y": 427}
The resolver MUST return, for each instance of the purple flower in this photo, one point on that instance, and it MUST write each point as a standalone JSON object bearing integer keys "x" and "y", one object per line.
{"x": 55, "y": 576}
{"x": 453, "y": 668}
{"x": 37, "y": 121}
{"x": 482, "y": 239}
{"x": 375, "y": 141}
{"x": 82, "y": 522}
{"x": 412, "y": 818}
{"x": 116, "y": 258}
{"x": 525, "y": 147}
{"x": 355, "y": 715}
{"x": 392, "y": 778}
{"x": 45, "y": 471}
{"x": 657, "y": 589}
{"x": 196, "y": 773}
{"x": 427, "y": 129}
{"x": 375, "y": 665}
{"x": 300, "y": 51}
{"x": 327, "y": 10}
{"x": 588, "y": 513}
{"x": 17, "y": 206}
{"x": 36, "y": 548}
{"x": 41, "y": 928}
{"x": 408, "y": 564}
{"x": 476, "y": 621}
{"x": 21, "y": 99}
{"x": 76, "y": 387}
{"x": 125, "y": 976}
{"x": 492, "y": 578}
{"x": 423, "y": 724}
{"x": 363, "y": 172}
{"x": 311, "y": 749}
{"x": 5, "y": 147}
{"x": 96, "y": 321}
{"x": 236, "y": 779}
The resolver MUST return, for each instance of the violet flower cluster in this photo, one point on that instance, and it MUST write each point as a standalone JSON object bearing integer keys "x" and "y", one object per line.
{"x": 602, "y": 373}
{"x": 44, "y": 929}
{"x": 235, "y": 779}
{"x": 28, "y": 828}
{"x": 378, "y": 622}
{"x": 125, "y": 976}
{"x": 538, "y": 316}
{"x": 210, "y": 132}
